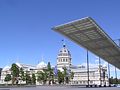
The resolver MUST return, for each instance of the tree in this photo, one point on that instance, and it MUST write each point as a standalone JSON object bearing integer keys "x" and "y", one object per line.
{"x": 50, "y": 73}
{"x": 0, "y": 71}
{"x": 33, "y": 79}
{"x": 66, "y": 79}
{"x": 118, "y": 81}
{"x": 49, "y": 66}
{"x": 28, "y": 78}
{"x": 14, "y": 73}
{"x": 22, "y": 74}
{"x": 114, "y": 80}
{"x": 40, "y": 76}
{"x": 72, "y": 75}
{"x": 52, "y": 76}
{"x": 7, "y": 78}
{"x": 45, "y": 76}
{"x": 60, "y": 77}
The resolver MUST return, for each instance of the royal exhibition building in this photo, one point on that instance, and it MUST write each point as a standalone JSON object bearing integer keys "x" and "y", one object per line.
{"x": 97, "y": 75}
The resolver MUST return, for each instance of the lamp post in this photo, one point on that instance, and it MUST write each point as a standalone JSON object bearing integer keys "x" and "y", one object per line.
{"x": 100, "y": 71}
{"x": 88, "y": 68}
{"x": 116, "y": 76}
{"x": 109, "y": 74}
{"x": 115, "y": 67}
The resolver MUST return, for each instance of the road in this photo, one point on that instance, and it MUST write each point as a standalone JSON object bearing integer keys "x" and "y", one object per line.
{"x": 59, "y": 88}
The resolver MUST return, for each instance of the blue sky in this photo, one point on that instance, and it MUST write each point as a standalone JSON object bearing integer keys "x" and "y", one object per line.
{"x": 25, "y": 28}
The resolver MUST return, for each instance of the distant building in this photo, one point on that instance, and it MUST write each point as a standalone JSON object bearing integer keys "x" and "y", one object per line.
{"x": 0, "y": 72}
{"x": 6, "y": 70}
{"x": 41, "y": 65}
{"x": 81, "y": 75}
{"x": 26, "y": 68}
{"x": 63, "y": 58}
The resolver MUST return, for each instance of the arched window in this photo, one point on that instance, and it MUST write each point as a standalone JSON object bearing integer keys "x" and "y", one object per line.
{"x": 63, "y": 60}
{"x": 66, "y": 60}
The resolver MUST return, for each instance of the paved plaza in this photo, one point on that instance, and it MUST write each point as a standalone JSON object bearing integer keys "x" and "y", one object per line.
{"x": 59, "y": 88}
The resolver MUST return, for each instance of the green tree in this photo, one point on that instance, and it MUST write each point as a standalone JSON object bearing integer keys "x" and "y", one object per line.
{"x": 114, "y": 80}
{"x": 52, "y": 76}
{"x": 118, "y": 81}
{"x": 72, "y": 75}
{"x": 14, "y": 73}
{"x": 0, "y": 71}
{"x": 40, "y": 76}
{"x": 50, "y": 73}
{"x": 45, "y": 76}
{"x": 66, "y": 79}
{"x": 60, "y": 77}
{"x": 33, "y": 79}
{"x": 28, "y": 78}
{"x": 49, "y": 66}
{"x": 7, "y": 78}
{"x": 22, "y": 74}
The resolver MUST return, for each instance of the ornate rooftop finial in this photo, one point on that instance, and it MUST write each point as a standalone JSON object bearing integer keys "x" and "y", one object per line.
{"x": 64, "y": 45}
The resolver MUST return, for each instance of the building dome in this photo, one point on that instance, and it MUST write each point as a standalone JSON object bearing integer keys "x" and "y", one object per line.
{"x": 41, "y": 65}
{"x": 64, "y": 51}
{"x": 63, "y": 58}
{"x": 6, "y": 68}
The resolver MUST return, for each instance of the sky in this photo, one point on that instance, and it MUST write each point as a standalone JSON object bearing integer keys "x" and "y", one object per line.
{"x": 26, "y": 35}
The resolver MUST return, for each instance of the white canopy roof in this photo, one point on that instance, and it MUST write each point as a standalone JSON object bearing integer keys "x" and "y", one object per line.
{"x": 86, "y": 33}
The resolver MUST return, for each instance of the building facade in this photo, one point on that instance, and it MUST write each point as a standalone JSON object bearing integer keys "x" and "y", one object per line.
{"x": 63, "y": 58}
{"x": 97, "y": 75}
{"x": 29, "y": 69}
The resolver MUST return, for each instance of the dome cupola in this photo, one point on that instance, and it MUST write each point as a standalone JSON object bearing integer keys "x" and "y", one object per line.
{"x": 64, "y": 51}
{"x": 41, "y": 65}
{"x": 64, "y": 57}
{"x": 6, "y": 68}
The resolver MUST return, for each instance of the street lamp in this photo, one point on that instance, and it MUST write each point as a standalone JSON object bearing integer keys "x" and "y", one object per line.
{"x": 109, "y": 74}
{"x": 88, "y": 68}
{"x": 115, "y": 67}
{"x": 100, "y": 71}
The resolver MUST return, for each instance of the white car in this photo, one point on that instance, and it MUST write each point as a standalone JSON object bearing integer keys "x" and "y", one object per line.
{"x": 118, "y": 85}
